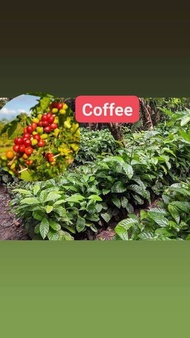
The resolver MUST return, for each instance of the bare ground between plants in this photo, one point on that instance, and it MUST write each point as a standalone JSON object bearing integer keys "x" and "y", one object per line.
{"x": 10, "y": 227}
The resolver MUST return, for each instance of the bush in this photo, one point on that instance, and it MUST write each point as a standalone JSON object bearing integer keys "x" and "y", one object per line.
{"x": 170, "y": 220}
{"x": 94, "y": 144}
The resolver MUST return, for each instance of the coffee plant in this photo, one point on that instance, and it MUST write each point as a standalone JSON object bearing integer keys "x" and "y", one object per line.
{"x": 168, "y": 221}
{"x": 94, "y": 144}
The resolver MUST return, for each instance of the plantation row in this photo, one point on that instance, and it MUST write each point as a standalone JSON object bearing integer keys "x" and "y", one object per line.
{"x": 141, "y": 190}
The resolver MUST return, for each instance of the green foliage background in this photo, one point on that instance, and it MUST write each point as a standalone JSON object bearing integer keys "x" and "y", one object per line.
{"x": 139, "y": 191}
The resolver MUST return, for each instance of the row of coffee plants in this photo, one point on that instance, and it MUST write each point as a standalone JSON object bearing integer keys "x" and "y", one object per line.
{"x": 168, "y": 220}
{"x": 115, "y": 188}
{"x": 94, "y": 144}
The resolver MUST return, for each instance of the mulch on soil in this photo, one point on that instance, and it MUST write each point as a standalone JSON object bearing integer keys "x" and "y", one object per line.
{"x": 10, "y": 227}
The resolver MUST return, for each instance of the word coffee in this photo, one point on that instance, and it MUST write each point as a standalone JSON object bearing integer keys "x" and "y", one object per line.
{"x": 107, "y": 109}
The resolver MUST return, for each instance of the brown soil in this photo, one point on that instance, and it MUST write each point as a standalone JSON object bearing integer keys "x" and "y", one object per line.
{"x": 10, "y": 227}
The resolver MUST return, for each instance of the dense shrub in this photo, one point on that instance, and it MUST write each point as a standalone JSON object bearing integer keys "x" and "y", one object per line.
{"x": 93, "y": 144}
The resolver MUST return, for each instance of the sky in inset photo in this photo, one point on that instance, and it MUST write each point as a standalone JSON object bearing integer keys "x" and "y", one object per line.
{"x": 18, "y": 105}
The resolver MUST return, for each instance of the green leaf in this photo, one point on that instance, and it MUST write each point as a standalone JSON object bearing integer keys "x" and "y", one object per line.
{"x": 98, "y": 207}
{"x": 54, "y": 225}
{"x": 37, "y": 229}
{"x": 158, "y": 211}
{"x": 183, "y": 226}
{"x": 176, "y": 186}
{"x": 5, "y": 178}
{"x": 143, "y": 214}
{"x": 69, "y": 228}
{"x": 139, "y": 200}
{"x": 147, "y": 235}
{"x": 128, "y": 170}
{"x": 36, "y": 207}
{"x": 158, "y": 219}
{"x": 167, "y": 150}
{"x": 185, "y": 120}
{"x": 37, "y": 214}
{"x": 36, "y": 189}
{"x": 106, "y": 216}
{"x": 154, "y": 160}
{"x": 59, "y": 202}
{"x": 60, "y": 211}
{"x": 163, "y": 232}
{"x": 30, "y": 201}
{"x": 105, "y": 191}
{"x": 122, "y": 233}
{"x": 44, "y": 102}
{"x": 66, "y": 236}
{"x": 92, "y": 218}
{"x": 168, "y": 165}
{"x": 80, "y": 224}
{"x": 118, "y": 187}
{"x": 183, "y": 192}
{"x": 90, "y": 208}
{"x": 127, "y": 223}
{"x": 28, "y": 120}
{"x": 26, "y": 176}
{"x": 174, "y": 212}
{"x": 140, "y": 190}
{"x": 4, "y": 129}
{"x": 111, "y": 159}
{"x": 53, "y": 236}
{"x": 183, "y": 206}
{"x": 123, "y": 226}
{"x": 75, "y": 198}
{"x": 124, "y": 202}
{"x": 133, "y": 216}
{"x": 23, "y": 191}
{"x": 44, "y": 227}
{"x": 94, "y": 228}
{"x": 163, "y": 158}
{"x": 164, "y": 169}
{"x": 70, "y": 187}
{"x": 43, "y": 195}
{"x": 52, "y": 196}
{"x": 49, "y": 209}
{"x": 186, "y": 136}
{"x": 174, "y": 225}
{"x": 95, "y": 198}
{"x": 165, "y": 199}
{"x": 130, "y": 208}
{"x": 116, "y": 201}
{"x": 12, "y": 128}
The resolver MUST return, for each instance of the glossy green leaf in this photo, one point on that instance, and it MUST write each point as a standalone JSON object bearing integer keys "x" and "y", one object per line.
{"x": 44, "y": 227}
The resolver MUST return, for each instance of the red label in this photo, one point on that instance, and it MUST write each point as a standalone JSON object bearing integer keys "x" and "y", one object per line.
{"x": 107, "y": 109}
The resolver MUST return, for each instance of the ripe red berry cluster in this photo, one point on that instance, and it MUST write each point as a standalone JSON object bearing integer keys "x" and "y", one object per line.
{"x": 29, "y": 140}
{"x": 47, "y": 123}
{"x": 35, "y": 134}
{"x": 50, "y": 157}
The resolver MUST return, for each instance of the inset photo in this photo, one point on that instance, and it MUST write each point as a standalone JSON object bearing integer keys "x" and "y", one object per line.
{"x": 39, "y": 136}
